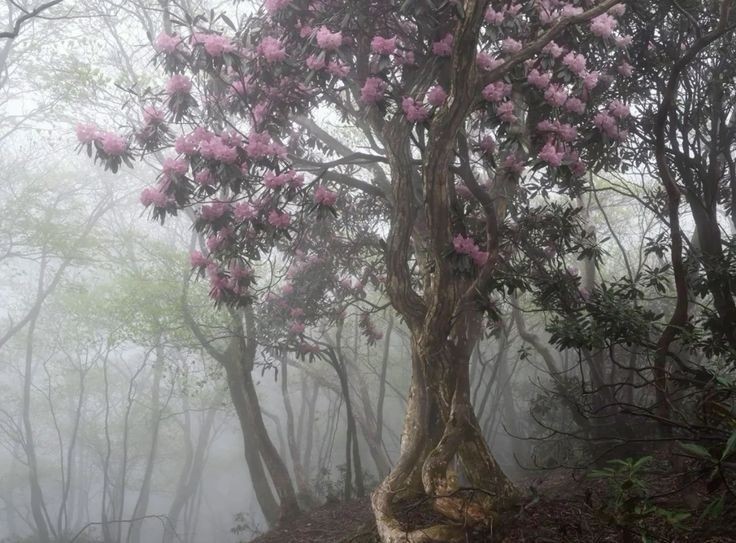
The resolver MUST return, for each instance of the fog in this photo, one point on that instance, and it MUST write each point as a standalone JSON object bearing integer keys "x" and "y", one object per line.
{"x": 148, "y": 396}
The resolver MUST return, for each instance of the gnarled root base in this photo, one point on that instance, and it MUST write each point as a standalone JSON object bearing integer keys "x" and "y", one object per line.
{"x": 462, "y": 510}
{"x": 462, "y": 514}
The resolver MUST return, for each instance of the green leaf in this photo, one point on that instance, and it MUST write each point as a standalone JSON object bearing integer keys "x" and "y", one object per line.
{"x": 228, "y": 22}
{"x": 730, "y": 446}
{"x": 714, "y": 508}
{"x": 696, "y": 450}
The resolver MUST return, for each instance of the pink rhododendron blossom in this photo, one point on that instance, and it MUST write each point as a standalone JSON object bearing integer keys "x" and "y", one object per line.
{"x": 204, "y": 178}
{"x": 575, "y": 63}
{"x": 316, "y": 62}
{"x": 112, "y": 144}
{"x": 436, "y": 96}
{"x": 219, "y": 241}
{"x": 505, "y": 112}
{"x": 216, "y": 45}
{"x": 553, "y": 50}
{"x": 625, "y": 69}
{"x": 495, "y": 92}
{"x": 278, "y": 219}
{"x": 415, "y": 111}
{"x": 603, "y": 25}
{"x": 577, "y": 166}
{"x": 551, "y": 155}
{"x": 238, "y": 271}
{"x": 198, "y": 260}
{"x": 153, "y": 115}
{"x": 153, "y": 195}
{"x": 297, "y": 328}
{"x": 271, "y": 49}
{"x": 590, "y": 80}
{"x": 619, "y": 110}
{"x": 383, "y": 46}
{"x": 494, "y": 17}
{"x": 575, "y": 105}
{"x": 607, "y": 124}
{"x": 239, "y": 88}
{"x": 443, "y": 47}
{"x": 244, "y": 211}
{"x": 166, "y": 43}
{"x": 513, "y": 9}
{"x": 216, "y": 149}
{"x": 324, "y": 196}
{"x": 175, "y": 166}
{"x": 338, "y": 68}
{"x": 487, "y": 62}
{"x": 178, "y": 84}
{"x": 186, "y": 145}
{"x": 556, "y": 95}
{"x": 329, "y": 41}
{"x": 487, "y": 145}
{"x": 373, "y": 90}
{"x": 566, "y": 132}
{"x": 514, "y": 163}
{"x": 274, "y": 6}
{"x": 623, "y": 42}
{"x": 87, "y": 132}
{"x": 214, "y": 211}
{"x": 539, "y": 80}
{"x": 467, "y": 246}
{"x": 511, "y": 46}
{"x": 260, "y": 145}
{"x": 275, "y": 181}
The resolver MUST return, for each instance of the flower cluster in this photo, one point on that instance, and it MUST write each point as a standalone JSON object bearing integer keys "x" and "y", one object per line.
{"x": 305, "y": 64}
{"x": 467, "y": 246}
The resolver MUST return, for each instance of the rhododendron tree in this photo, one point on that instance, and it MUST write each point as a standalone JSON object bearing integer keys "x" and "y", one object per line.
{"x": 461, "y": 115}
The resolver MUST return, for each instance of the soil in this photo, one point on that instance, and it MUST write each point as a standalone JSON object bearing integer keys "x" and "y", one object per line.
{"x": 561, "y": 508}
{"x": 335, "y": 522}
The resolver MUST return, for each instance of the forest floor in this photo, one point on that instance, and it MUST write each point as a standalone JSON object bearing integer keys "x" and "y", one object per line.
{"x": 560, "y": 508}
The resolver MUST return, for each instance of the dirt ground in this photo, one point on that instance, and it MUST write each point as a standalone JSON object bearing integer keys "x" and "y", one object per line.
{"x": 561, "y": 508}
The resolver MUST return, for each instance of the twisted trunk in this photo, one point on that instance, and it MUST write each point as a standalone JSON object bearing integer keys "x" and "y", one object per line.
{"x": 441, "y": 427}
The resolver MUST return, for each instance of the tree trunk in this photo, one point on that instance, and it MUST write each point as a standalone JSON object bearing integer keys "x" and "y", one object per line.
{"x": 141, "y": 505}
{"x": 191, "y": 474}
{"x": 311, "y": 423}
{"x": 38, "y": 508}
{"x": 238, "y": 360}
{"x": 440, "y": 427}
{"x": 261, "y": 488}
{"x": 299, "y": 476}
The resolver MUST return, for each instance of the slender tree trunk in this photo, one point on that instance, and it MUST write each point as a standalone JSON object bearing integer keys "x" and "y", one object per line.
{"x": 311, "y": 424}
{"x": 191, "y": 474}
{"x": 238, "y": 360}
{"x": 141, "y": 506}
{"x": 37, "y": 500}
{"x": 261, "y": 488}
{"x": 352, "y": 451}
{"x": 299, "y": 477}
